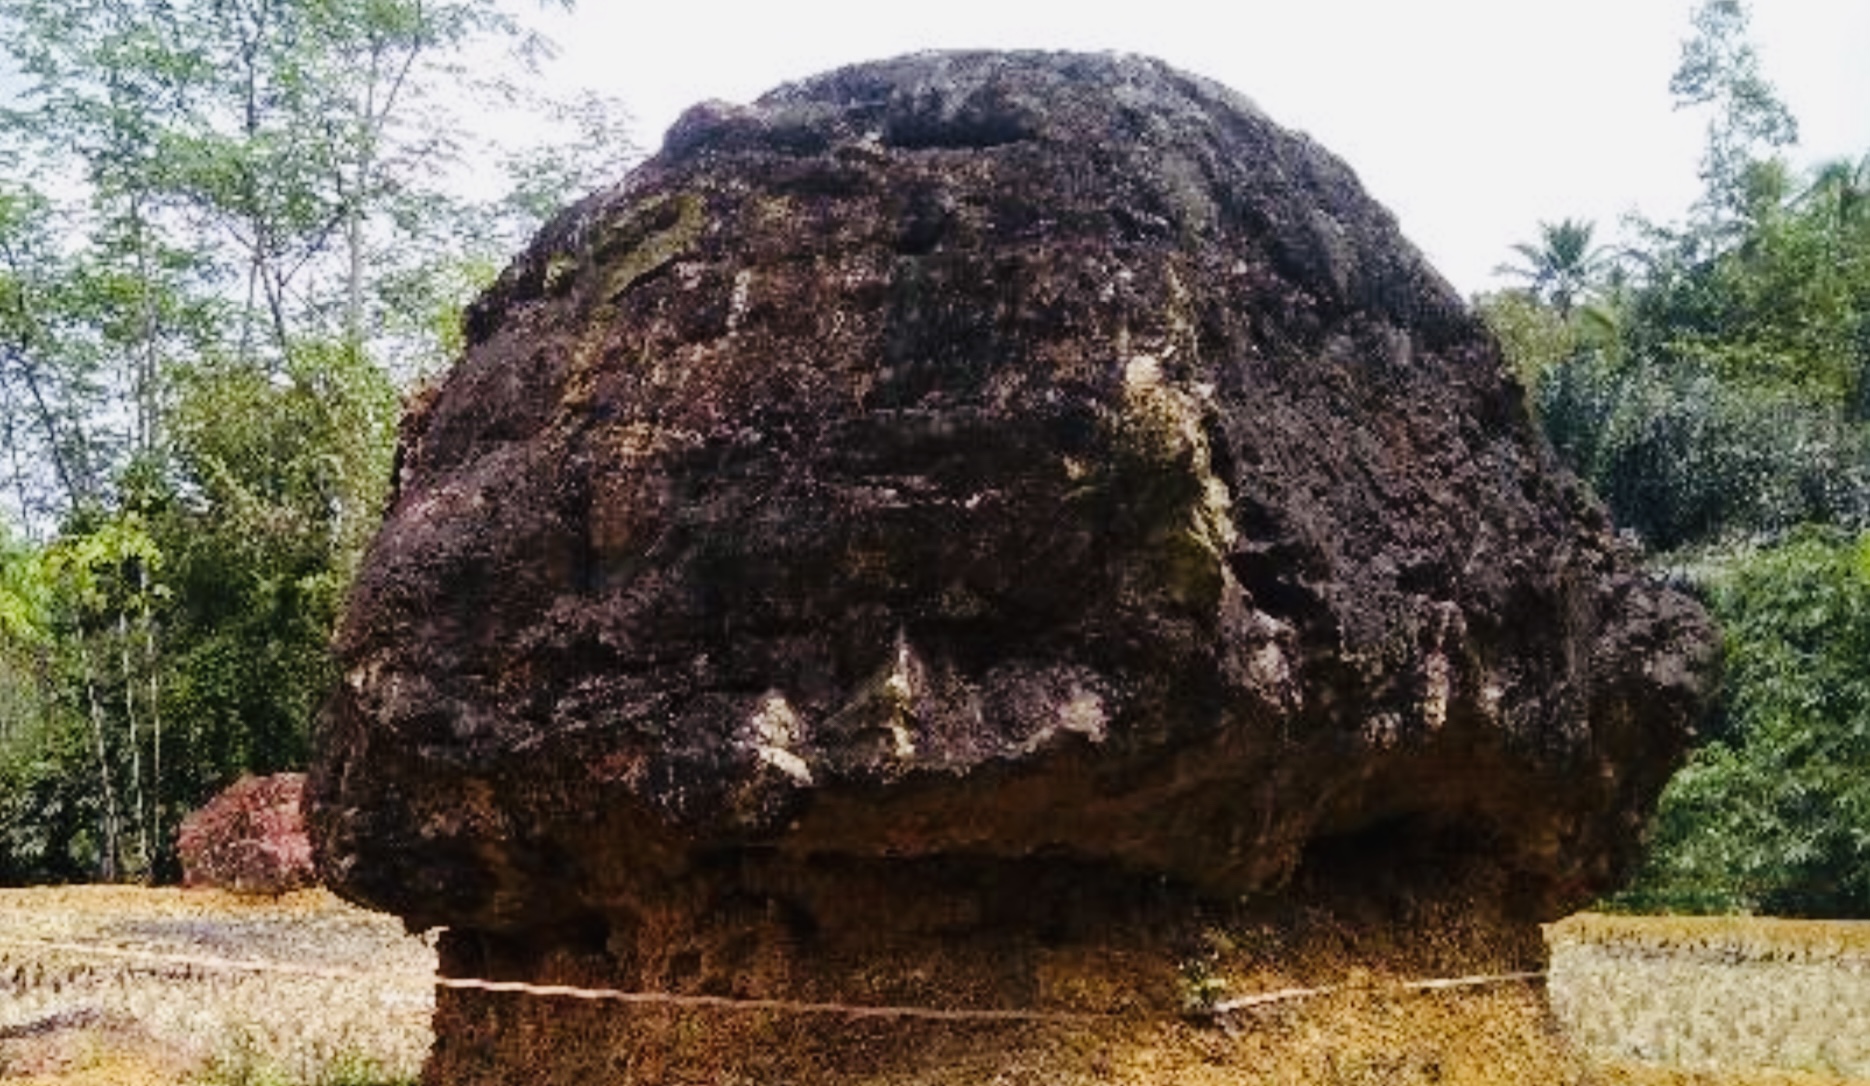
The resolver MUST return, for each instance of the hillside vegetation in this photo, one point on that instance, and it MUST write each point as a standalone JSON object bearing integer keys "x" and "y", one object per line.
{"x": 1711, "y": 381}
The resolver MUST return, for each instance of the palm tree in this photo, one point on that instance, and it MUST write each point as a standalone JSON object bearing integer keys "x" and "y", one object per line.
{"x": 1843, "y": 188}
{"x": 1562, "y": 266}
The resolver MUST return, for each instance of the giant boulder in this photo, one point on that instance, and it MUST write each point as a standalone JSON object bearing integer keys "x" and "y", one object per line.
{"x": 963, "y": 500}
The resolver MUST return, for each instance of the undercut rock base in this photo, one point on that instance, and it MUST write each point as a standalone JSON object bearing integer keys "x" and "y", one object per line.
{"x": 1130, "y": 968}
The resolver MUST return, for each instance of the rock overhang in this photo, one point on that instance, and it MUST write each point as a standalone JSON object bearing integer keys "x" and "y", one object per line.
{"x": 975, "y": 457}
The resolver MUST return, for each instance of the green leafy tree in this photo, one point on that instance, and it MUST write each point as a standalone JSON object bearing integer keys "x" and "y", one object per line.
{"x": 1720, "y": 391}
{"x": 224, "y": 224}
{"x": 296, "y": 144}
{"x": 1720, "y": 410}
{"x": 24, "y": 606}
{"x": 1836, "y": 205}
{"x": 1720, "y": 70}
{"x": 56, "y": 391}
{"x": 1841, "y": 189}
{"x": 287, "y": 471}
{"x": 1773, "y": 815}
{"x": 101, "y": 576}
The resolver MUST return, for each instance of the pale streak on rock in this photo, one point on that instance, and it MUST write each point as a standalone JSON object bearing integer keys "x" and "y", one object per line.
{"x": 775, "y": 728}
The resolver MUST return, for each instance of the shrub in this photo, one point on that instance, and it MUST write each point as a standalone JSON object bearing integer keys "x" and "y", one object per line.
{"x": 1683, "y": 456}
{"x": 1773, "y": 814}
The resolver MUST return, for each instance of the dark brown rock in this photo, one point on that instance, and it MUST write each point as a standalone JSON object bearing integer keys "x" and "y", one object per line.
{"x": 946, "y": 492}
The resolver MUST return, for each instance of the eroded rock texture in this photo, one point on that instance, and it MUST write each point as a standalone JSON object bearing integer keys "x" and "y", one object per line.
{"x": 945, "y": 490}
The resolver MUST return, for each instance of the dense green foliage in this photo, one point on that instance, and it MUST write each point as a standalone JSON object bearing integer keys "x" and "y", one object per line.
{"x": 1718, "y": 387}
{"x": 226, "y": 234}
{"x": 1773, "y": 815}
{"x": 1713, "y": 384}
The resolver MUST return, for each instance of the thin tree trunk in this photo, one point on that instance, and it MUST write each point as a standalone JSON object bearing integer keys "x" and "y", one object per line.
{"x": 154, "y": 701}
{"x": 146, "y": 363}
{"x": 20, "y": 492}
{"x": 75, "y": 485}
{"x": 70, "y": 481}
{"x": 354, "y": 289}
{"x": 245, "y": 353}
{"x": 108, "y": 861}
{"x": 139, "y": 814}
{"x": 276, "y": 304}
{"x": 374, "y": 115}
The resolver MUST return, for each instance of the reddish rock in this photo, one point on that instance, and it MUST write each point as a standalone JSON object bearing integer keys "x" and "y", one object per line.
{"x": 250, "y": 838}
{"x": 964, "y": 504}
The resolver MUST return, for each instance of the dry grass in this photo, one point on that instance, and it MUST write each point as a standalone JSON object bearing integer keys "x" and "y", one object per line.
{"x": 71, "y": 1019}
{"x": 1750, "y": 938}
{"x": 1638, "y": 1074}
{"x": 1698, "y": 1001}
{"x": 1644, "y": 1002}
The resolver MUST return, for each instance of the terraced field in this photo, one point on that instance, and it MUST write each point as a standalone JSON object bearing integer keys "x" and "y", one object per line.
{"x": 1715, "y": 996}
{"x": 356, "y": 1015}
{"x": 1643, "y": 1001}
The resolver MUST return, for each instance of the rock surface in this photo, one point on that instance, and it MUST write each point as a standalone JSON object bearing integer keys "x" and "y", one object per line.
{"x": 954, "y": 489}
{"x": 250, "y": 838}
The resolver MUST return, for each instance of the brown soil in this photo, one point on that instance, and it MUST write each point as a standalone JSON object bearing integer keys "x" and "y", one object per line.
{"x": 1129, "y": 991}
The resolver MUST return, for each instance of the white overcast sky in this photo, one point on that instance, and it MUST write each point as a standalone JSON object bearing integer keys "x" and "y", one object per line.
{"x": 1472, "y": 120}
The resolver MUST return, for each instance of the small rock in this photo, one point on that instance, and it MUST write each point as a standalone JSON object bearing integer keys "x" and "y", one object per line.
{"x": 250, "y": 838}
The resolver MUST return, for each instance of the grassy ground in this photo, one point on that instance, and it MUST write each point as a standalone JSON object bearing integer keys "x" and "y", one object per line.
{"x": 73, "y": 1020}
{"x": 1693, "y": 999}
{"x": 1645, "y": 1001}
